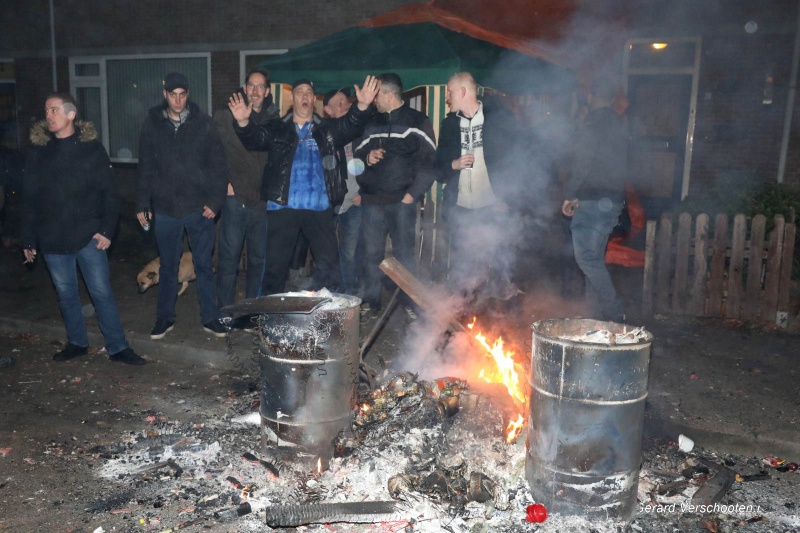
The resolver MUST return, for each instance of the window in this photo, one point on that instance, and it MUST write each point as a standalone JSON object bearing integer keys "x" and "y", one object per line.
{"x": 116, "y": 92}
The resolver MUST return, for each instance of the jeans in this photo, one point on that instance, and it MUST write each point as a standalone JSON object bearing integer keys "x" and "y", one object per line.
{"x": 169, "y": 238}
{"x": 349, "y": 228}
{"x": 282, "y": 231}
{"x": 94, "y": 269}
{"x": 591, "y": 225}
{"x": 378, "y": 221}
{"x": 237, "y": 225}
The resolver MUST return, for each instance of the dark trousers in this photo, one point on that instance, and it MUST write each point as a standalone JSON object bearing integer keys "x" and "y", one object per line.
{"x": 378, "y": 221}
{"x": 169, "y": 238}
{"x": 283, "y": 227}
{"x": 239, "y": 224}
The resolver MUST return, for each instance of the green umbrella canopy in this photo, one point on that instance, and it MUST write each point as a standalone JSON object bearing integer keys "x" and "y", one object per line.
{"x": 421, "y": 54}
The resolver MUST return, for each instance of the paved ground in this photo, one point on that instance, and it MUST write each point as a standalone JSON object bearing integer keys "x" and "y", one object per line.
{"x": 731, "y": 387}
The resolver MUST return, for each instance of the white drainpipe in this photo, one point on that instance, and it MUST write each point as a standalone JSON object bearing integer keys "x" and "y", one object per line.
{"x": 787, "y": 119}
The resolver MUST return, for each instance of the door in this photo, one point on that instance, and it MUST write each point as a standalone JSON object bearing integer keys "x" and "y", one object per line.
{"x": 657, "y": 119}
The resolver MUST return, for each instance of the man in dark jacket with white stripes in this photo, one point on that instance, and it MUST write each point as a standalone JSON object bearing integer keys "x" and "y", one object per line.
{"x": 398, "y": 147}
{"x": 182, "y": 182}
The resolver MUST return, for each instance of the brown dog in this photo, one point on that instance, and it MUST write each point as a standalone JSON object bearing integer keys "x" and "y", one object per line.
{"x": 149, "y": 274}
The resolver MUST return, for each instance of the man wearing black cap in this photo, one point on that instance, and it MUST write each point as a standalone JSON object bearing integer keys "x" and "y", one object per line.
{"x": 348, "y": 215}
{"x": 302, "y": 183}
{"x": 182, "y": 181}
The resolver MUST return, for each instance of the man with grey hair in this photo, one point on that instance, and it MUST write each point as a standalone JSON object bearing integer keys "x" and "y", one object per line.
{"x": 70, "y": 213}
{"x": 595, "y": 194}
{"x": 481, "y": 158}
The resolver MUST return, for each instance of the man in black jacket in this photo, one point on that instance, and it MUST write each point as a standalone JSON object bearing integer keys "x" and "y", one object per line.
{"x": 399, "y": 147}
{"x": 302, "y": 182}
{"x": 70, "y": 212}
{"x": 595, "y": 195}
{"x": 244, "y": 217}
{"x": 182, "y": 182}
{"x": 482, "y": 159}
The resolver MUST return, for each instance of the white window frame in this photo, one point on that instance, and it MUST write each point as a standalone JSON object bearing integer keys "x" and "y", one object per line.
{"x": 100, "y": 82}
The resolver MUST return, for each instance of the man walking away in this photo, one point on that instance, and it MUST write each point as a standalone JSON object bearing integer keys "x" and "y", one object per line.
{"x": 595, "y": 194}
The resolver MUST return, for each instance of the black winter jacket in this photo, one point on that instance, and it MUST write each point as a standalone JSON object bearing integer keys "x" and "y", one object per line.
{"x": 407, "y": 166}
{"x": 68, "y": 191}
{"x": 506, "y": 151}
{"x": 183, "y": 170}
{"x": 279, "y": 139}
{"x": 600, "y": 164}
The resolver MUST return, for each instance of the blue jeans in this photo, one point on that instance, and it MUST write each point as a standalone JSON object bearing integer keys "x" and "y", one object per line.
{"x": 378, "y": 221}
{"x": 591, "y": 225}
{"x": 349, "y": 228}
{"x": 94, "y": 269}
{"x": 169, "y": 238}
{"x": 240, "y": 224}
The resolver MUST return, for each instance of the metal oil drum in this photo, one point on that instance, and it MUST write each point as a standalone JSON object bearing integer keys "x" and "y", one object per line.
{"x": 309, "y": 368}
{"x": 586, "y": 419}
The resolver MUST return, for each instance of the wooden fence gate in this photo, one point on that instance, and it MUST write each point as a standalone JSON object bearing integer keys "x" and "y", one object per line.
{"x": 707, "y": 273}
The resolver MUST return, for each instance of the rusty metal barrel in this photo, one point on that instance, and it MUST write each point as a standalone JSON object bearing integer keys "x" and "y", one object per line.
{"x": 309, "y": 368}
{"x": 586, "y": 417}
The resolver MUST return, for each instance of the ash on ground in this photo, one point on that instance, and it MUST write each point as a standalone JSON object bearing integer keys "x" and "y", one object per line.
{"x": 437, "y": 449}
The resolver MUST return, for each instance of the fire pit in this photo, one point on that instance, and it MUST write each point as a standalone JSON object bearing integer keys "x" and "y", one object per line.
{"x": 588, "y": 391}
{"x": 309, "y": 359}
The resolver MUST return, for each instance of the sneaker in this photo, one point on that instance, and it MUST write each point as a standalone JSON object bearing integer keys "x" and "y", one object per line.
{"x": 128, "y": 356}
{"x": 411, "y": 312}
{"x": 161, "y": 328}
{"x": 216, "y": 328}
{"x": 70, "y": 351}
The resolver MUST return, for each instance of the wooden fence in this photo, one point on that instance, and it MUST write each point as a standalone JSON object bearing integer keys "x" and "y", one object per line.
{"x": 721, "y": 272}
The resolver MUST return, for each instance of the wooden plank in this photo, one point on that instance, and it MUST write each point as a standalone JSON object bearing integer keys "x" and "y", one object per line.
{"x": 755, "y": 262}
{"x": 698, "y": 302}
{"x": 769, "y": 308}
{"x": 786, "y": 268}
{"x": 734, "y": 287}
{"x": 663, "y": 272}
{"x": 422, "y": 295}
{"x": 683, "y": 240}
{"x": 649, "y": 269}
{"x": 719, "y": 250}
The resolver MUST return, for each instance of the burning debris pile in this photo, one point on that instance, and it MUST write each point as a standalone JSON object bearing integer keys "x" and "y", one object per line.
{"x": 425, "y": 456}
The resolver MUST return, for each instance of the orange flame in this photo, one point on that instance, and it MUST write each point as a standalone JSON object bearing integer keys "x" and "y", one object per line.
{"x": 505, "y": 373}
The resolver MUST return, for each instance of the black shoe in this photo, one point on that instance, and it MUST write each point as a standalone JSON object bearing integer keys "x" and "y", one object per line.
{"x": 70, "y": 351}
{"x": 216, "y": 328}
{"x": 161, "y": 328}
{"x": 129, "y": 357}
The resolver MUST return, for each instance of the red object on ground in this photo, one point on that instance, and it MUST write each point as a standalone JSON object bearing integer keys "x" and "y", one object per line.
{"x": 536, "y": 513}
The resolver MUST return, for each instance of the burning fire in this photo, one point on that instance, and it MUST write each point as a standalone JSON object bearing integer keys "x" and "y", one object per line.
{"x": 504, "y": 372}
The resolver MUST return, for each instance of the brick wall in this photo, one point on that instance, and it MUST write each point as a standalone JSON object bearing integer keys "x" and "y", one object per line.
{"x": 737, "y": 134}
